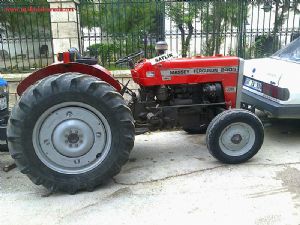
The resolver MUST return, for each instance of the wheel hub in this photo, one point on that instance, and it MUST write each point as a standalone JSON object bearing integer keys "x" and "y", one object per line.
{"x": 236, "y": 139}
{"x": 73, "y": 138}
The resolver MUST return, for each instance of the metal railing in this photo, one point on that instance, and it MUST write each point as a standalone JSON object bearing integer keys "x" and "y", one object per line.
{"x": 248, "y": 28}
{"x": 25, "y": 37}
{"x": 110, "y": 29}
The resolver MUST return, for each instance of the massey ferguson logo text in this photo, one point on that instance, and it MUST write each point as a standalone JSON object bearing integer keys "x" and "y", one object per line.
{"x": 166, "y": 74}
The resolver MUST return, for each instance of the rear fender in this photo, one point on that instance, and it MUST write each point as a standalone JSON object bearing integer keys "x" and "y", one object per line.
{"x": 94, "y": 70}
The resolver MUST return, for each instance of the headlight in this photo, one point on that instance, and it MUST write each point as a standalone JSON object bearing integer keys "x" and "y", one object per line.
{"x": 150, "y": 74}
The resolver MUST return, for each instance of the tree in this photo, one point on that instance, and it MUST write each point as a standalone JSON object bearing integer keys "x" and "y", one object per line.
{"x": 30, "y": 23}
{"x": 120, "y": 17}
{"x": 131, "y": 24}
{"x": 281, "y": 9}
{"x": 220, "y": 17}
{"x": 267, "y": 43}
{"x": 183, "y": 14}
{"x": 215, "y": 18}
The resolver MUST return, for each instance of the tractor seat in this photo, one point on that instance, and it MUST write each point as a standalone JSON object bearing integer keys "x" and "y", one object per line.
{"x": 88, "y": 61}
{"x": 75, "y": 54}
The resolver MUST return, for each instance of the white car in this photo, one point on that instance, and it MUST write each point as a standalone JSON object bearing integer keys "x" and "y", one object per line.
{"x": 272, "y": 84}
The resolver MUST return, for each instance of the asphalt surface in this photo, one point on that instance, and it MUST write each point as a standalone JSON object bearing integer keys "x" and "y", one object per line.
{"x": 172, "y": 179}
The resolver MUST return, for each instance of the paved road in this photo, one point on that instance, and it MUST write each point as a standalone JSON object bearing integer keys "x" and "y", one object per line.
{"x": 171, "y": 179}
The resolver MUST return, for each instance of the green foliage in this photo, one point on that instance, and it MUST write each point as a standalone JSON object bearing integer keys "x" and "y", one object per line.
{"x": 264, "y": 45}
{"x": 183, "y": 14}
{"x": 129, "y": 24}
{"x": 105, "y": 52}
{"x": 108, "y": 53}
{"x": 31, "y": 23}
{"x": 120, "y": 17}
{"x": 215, "y": 16}
{"x": 231, "y": 52}
{"x": 281, "y": 10}
{"x": 219, "y": 17}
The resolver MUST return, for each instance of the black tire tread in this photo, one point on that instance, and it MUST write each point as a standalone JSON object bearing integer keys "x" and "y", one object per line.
{"x": 52, "y": 85}
{"x": 220, "y": 118}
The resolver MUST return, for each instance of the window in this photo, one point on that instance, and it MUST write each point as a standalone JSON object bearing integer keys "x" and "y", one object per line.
{"x": 291, "y": 52}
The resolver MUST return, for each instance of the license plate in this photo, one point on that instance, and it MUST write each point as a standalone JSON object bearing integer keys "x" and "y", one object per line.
{"x": 256, "y": 85}
{"x": 3, "y": 103}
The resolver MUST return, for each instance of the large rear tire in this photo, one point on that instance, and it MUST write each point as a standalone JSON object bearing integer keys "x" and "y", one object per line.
{"x": 234, "y": 136}
{"x": 70, "y": 132}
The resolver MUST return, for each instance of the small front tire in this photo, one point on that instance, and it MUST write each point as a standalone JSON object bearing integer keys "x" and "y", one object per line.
{"x": 235, "y": 136}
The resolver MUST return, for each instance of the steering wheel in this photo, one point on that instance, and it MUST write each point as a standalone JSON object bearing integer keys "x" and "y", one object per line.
{"x": 129, "y": 58}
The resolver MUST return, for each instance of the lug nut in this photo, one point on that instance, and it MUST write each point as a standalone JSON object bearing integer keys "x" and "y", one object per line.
{"x": 98, "y": 134}
{"x": 69, "y": 114}
{"x": 46, "y": 142}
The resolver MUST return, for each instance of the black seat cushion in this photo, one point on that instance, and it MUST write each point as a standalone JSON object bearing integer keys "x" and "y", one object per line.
{"x": 88, "y": 61}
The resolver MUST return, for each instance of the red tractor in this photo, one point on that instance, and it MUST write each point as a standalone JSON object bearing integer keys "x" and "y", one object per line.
{"x": 72, "y": 129}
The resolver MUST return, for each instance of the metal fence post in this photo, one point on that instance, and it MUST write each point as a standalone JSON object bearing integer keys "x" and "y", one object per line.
{"x": 64, "y": 25}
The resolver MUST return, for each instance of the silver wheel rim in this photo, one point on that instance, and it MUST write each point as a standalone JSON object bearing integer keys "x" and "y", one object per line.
{"x": 71, "y": 138}
{"x": 237, "y": 139}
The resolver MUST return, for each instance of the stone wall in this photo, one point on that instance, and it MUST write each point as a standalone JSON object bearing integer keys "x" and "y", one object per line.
{"x": 64, "y": 26}
{"x": 14, "y": 79}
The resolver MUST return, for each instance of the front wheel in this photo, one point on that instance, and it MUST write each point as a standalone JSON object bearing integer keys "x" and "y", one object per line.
{"x": 70, "y": 132}
{"x": 235, "y": 136}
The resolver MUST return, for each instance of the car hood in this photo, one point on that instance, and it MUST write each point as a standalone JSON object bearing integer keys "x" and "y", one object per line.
{"x": 268, "y": 70}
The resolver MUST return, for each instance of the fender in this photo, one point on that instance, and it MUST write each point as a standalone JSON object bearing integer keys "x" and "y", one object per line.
{"x": 94, "y": 70}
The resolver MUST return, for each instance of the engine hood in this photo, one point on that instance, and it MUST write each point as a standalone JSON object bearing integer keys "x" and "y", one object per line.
{"x": 268, "y": 70}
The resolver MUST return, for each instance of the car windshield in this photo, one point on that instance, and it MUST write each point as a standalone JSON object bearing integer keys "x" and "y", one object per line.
{"x": 290, "y": 52}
